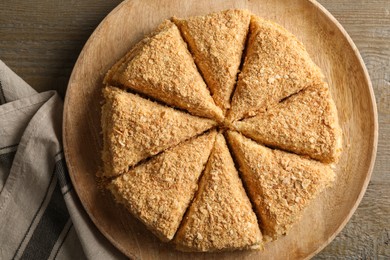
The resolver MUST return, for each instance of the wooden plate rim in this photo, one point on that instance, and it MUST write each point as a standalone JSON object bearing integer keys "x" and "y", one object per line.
{"x": 374, "y": 115}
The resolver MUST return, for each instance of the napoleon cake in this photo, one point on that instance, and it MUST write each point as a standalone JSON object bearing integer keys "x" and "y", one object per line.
{"x": 280, "y": 184}
{"x": 161, "y": 67}
{"x": 221, "y": 216}
{"x": 159, "y": 191}
{"x": 276, "y": 66}
{"x": 135, "y": 128}
{"x": 217, "y": 42}
{"x": 219, "y": 131}
{"x": 305, "y": 123}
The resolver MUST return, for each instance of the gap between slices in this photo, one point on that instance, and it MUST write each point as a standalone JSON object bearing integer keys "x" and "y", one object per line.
{"x": 217, "y": 42}
{"x": 161, "y": 67}
{"x": 221, "y": 215}
{"x": 135, "y": 128}
{"x": 305, "y": 123}
{"x": 280, "y": 184}
{"x": 276, "y": 65}
{"x": 159, "y": 191}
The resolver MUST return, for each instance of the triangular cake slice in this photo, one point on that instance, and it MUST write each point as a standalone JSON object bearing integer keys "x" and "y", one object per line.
{"x": 305, "y": 123}
{"x": 217, "y": 41}
{"x": 276, "y": 66}
{"x": 162, "y": 68}
{"x": 135, "y": 128}
{"x": 280, "y": 184}
{"x": 159, "y": 191}
{"x": 221, "y": 215}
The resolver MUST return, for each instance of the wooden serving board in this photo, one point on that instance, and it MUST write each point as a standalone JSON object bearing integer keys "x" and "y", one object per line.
{"x": 329, "y": 46}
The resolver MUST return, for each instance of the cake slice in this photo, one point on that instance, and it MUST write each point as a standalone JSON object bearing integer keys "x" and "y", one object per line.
{"x": 159, "y": 191}
{"x": 276, "y": 66}
{"x": 162, "y": 68}
{"x": 305, "y": 123}
{"x": 217, "y": 41}
{"x": 135, "y": 128}
{"x": 221, "y": 215}
{"x": 280, "y": 184}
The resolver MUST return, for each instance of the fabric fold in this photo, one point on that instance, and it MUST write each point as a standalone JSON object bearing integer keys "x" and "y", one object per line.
{"x": 39, "y": 211}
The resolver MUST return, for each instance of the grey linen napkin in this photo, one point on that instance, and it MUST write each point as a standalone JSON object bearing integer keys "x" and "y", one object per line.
{"x": 40, "y": 214}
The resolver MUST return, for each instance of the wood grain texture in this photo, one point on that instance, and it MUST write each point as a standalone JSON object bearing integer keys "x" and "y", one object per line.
{"x": 41, "y": 39}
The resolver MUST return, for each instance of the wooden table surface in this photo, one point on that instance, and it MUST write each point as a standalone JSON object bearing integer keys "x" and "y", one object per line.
{"x": 41, "y": 40}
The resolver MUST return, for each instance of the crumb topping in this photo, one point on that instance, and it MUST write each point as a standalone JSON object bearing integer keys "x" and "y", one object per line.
{"x": 162, "y": 67}
{"x": 280, "y": 184}
{"x": 182, "y": 183}
{"x": 276, "y": 65}
{"x": 159, "y": 191}
{"x": 217, "y": 41}
{"x": 221, "y": 216}
{"x": 135, "y": 128}
{"x": 305, "y": 123}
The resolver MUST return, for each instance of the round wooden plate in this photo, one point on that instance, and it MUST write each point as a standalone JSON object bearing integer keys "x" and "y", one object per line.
{"x": 329, "y": 46}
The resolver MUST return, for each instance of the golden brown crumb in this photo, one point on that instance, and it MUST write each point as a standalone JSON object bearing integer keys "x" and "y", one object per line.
{"x": 276, "y": 65}
{"x": 217, "y": 41}
{"x": 161, "y": 67}
{"x": 160, "y": 152}
{"x": 280, "y": 184}
{"x": 305, "y": 123}
{"x": 159, "y": 191}
{"x": 135, "y": 128}
{"x": 221, "y": 216}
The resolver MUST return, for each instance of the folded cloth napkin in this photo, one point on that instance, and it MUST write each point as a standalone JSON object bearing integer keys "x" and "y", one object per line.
{"x": 40, "y": 214}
